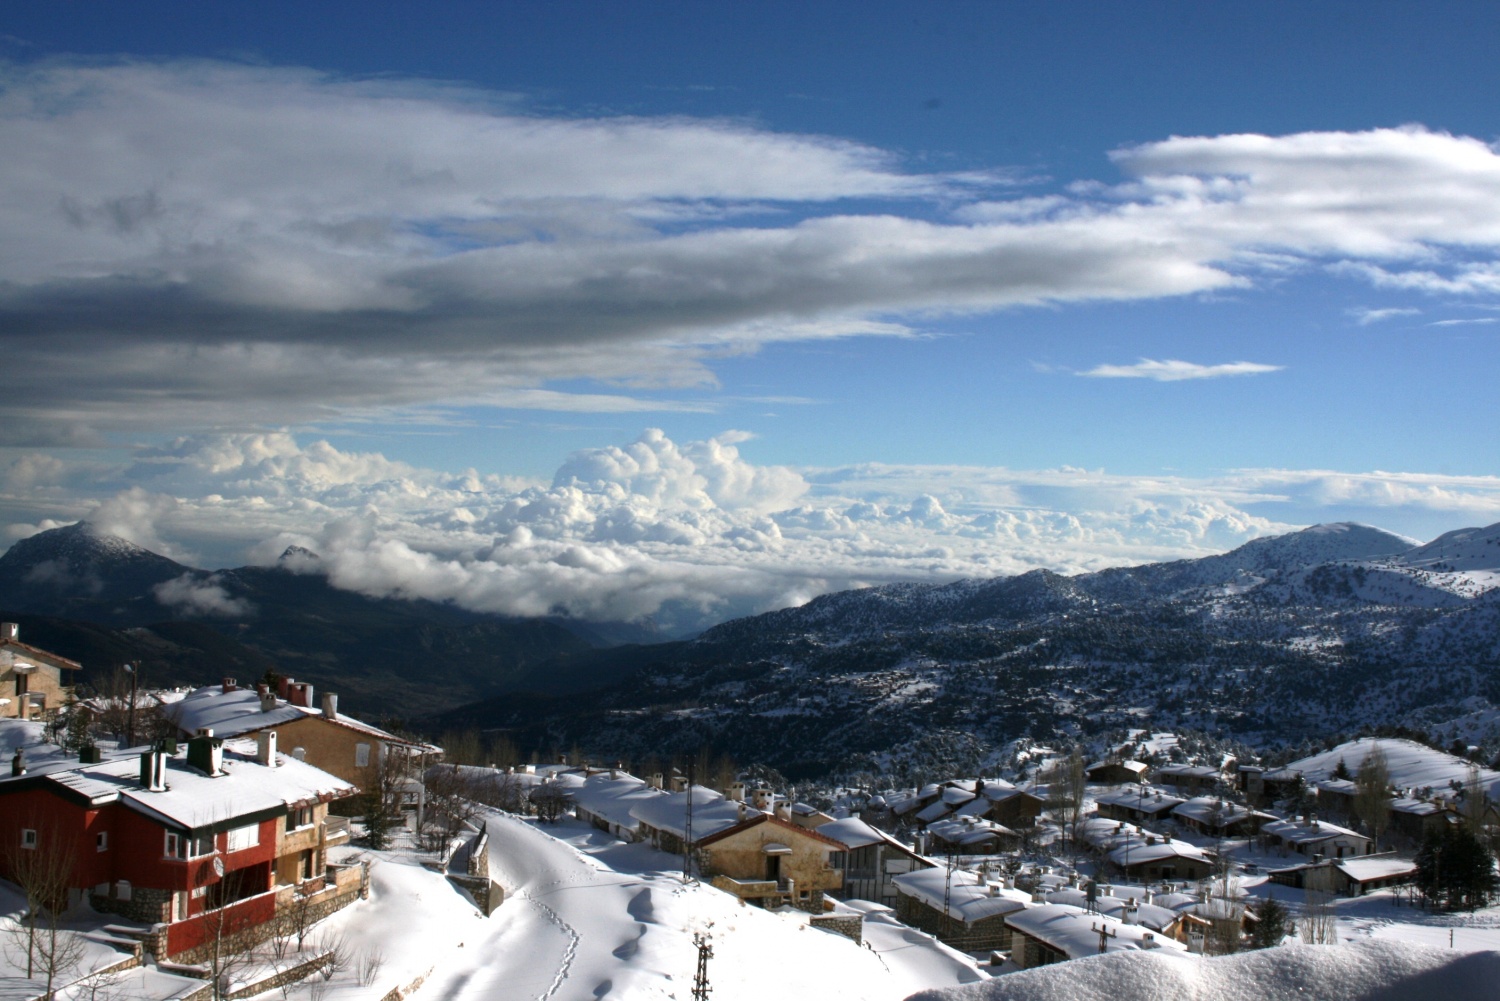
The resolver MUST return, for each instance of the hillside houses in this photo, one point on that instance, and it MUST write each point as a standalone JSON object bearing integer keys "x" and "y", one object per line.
{"x": 872, "y": 860}
{"x": 1053, "y": 933}
{"x": 1141, "y": 854}
{"x": 1215, "y": 817}
{"x": 208, "y": 841}
{"x": 314, "y": 732}
{"x": 1193, "y": 778}
{"x": 1141, "y": 804}
{"x": 1310, "y": 836}
{"x": 1116, "y": 772}
{"x": 34, "y": 683}
{"x": 961, "y": 909}
{"x": 991, "y": 799}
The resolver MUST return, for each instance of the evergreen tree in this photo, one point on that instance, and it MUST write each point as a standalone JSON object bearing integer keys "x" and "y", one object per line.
{"x": 1273, "y": 925}
{"x": 1455, "y": 870}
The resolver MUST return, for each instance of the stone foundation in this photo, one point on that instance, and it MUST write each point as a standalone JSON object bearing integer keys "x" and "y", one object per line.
{"x": 851, "y": 926}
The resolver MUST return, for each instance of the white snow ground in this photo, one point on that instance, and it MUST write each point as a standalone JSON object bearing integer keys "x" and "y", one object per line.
{"x": 587, "y": 917}
{"x": 1363, "y": 971}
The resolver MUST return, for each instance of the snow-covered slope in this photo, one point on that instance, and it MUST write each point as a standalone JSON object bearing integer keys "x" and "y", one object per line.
{"x": 1411, "y": 765}
{"x": 1366, "y": 971}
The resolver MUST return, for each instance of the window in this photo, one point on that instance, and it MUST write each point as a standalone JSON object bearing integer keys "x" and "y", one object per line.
{"x": 28, "y": 837}
{"x": 243, "y": 837}
{"x": 299, "y": 817}
{"x": 185, "y": 846}
{"x": 361, "y": 755}
{"x": 177, "y": 845}
{"x": 101, "y": 841}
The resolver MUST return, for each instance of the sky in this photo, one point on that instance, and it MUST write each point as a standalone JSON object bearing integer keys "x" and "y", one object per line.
{"x": 677, "y": 311}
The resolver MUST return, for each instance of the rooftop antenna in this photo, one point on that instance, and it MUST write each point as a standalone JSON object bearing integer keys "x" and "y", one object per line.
{"x": 1104, "y": 936}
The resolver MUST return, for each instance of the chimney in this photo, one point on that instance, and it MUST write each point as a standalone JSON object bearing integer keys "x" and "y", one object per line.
{"x": 283, "y": 687}
{"x": 154, "y": 770}
{"x": 10, "y": 632}
{"x": 1130, "y": 912}
{"x": 744, "y": 811}
{"x": 331, "y": 705}
{"x": 265, "y": 747}
{"x": 301, "y": 694}
{"x": 656, "y": 780}
{"x": 267, "y": 701}
{"x": 18, "y": 763}
{"x": 562, "y": 759}
{"x": 679, "y": 783}
{"x": 206, "y": 752}
{"x": 737, "y": 791}
{"x": 230, "y": 685}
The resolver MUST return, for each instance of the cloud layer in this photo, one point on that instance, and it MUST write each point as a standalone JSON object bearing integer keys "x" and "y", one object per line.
{"x": 201, "y": 242}
{"x": 683, "y": 534}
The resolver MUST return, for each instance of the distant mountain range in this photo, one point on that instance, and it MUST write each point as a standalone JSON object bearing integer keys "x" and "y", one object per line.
{"x": 105, "y": 601}
{"x": 1309, "y": 634}
{"x": 1304, "y": 635}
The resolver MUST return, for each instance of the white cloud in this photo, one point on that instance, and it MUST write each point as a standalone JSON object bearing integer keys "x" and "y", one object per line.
{"x": 1464, "y": 323}
{"x": 1364, "y": 317}
{"x": 188, "y": 595}
{"x": 691, "y": 532}
{"x": 246, "y": 244}
{"x": 1171, "y": 370}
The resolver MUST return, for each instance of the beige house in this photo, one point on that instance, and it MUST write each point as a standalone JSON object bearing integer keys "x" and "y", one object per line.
{"x": 772, "y": 862}
{"x": 322, "y": 737}
{"x": 32, "y": 681}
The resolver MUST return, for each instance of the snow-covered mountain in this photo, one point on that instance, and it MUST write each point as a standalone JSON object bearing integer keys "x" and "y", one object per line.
{"x": 1306, "y": 635}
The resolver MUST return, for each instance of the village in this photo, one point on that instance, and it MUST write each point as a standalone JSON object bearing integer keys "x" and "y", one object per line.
{"x": 253, "y": 841}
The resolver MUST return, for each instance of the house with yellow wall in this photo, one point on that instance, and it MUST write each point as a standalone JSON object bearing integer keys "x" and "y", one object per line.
{"x": 33, "y": 683}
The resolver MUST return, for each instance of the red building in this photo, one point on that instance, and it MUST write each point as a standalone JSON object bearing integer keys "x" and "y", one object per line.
{"x": 205, "y": 843}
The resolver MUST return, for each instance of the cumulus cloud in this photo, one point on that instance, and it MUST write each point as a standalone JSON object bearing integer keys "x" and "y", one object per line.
{"x": 246, "y": 241}
{"x": 1171, "y": 370}
{"x": 688, "y": 533}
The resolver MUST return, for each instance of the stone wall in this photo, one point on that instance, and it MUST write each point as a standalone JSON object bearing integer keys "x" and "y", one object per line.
{"x": 850, "y": 926}
{"x": 145, "y": 905}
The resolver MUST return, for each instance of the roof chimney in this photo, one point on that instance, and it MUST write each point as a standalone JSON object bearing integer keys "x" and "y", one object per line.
{"x": 331, "y": 705}
{"x": 656, "y": 780}
{"x": 737, "y": 791}
{"x": 10, "y": 632}
{"x": 267, "y": 701}
{"x": 205, "y": 752}
{"x": 17, "y": 763}
{"x": 265, "y": 748}
{"x": 154, "y": 770}
{"x": 230, "y": 685}
{"x": 283, "y": 686}
{"x": 300, "y": 693}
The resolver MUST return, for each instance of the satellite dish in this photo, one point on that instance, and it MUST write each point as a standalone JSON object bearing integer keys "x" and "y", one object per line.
{"x": 218, "y": 866}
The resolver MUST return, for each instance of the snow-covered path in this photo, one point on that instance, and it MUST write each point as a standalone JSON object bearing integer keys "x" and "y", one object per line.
{"x": 588, "y": 918}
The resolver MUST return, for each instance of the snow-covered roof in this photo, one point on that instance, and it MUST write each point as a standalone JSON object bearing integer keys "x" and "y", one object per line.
{"x": 712, "y": 813}
{"x": 935, "y": 811}
{"x": 968, "y": 830}
{"x": 1075, "y": 933}
{"x": 1305, "y": 832}
{"x": 1416, "y": 807}
{"x": 1338, "y": 787}
{"x": 1153, "y": 916}
{"x": 194, "y": 800}
{"x": 1211, "y": 811}
{"x": 1373, "y": 867}
{"x": 238, "y": 711}
{"x": 1138, "y": 767}
{"x": 1189, "y": 771}
{"x": 1146, "y": 800}
{"x": 969, "y": 898}
{"x": 611, "y": 797}
{"x": 853, "y": 833}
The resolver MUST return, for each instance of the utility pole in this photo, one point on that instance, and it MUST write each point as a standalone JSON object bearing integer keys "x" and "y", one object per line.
{"x": 687, "y": 830}
{"x": 948, "y": 888}
{"x": 1104, "y": 936}
{"x": 705, "y": 953}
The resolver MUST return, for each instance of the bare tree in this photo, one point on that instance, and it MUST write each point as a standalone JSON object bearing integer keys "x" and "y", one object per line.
{"x": 1320, "y": 921}
{"x": 1372, "y": 793}
{"x": 450, "y": 804}
{"x": 1066, "y": 785}
{"x": 42, "y": 866}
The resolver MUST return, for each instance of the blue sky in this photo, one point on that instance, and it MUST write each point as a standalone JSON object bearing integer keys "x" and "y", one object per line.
{"x": 686, "y": 310}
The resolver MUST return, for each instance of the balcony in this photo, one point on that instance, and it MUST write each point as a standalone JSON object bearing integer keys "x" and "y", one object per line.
{"x": 335, "y": 830}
